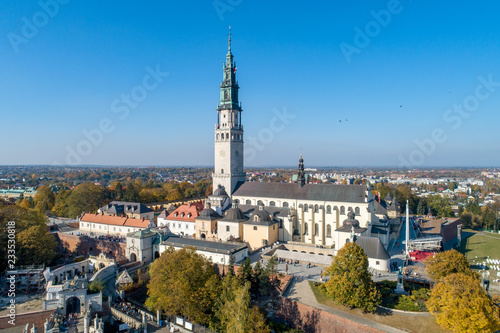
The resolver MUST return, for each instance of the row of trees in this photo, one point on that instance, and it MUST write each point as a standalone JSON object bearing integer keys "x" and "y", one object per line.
{"x": 185, "y": 283}
{"x": 88, "y": 197}
{"x": 458, "y": 301}
{"x": 476, "y": 217}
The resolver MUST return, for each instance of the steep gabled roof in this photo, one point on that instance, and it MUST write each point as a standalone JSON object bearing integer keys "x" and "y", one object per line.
{"x": 319, "y": 192}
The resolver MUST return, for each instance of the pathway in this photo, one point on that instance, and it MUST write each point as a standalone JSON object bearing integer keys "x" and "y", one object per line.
{"x": 300, "y": 291}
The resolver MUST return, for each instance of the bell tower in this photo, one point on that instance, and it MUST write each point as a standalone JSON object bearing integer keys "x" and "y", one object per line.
{"x": 228, "y": 170}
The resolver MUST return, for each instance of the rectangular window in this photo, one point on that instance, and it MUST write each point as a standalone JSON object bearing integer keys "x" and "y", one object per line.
{"x": 254, "y": 227}
{"x": 227, "y": 228}
{"x": 377, "y": 263}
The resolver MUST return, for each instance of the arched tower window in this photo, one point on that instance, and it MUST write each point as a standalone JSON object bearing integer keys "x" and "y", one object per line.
{"x": 272, "y": 204}
{"x": 316, "y": 229}
{"x": 328, "y": 231}
{"x": 356, "y": 211}
{"x": 315, "y": 208}
{"x": 248, "y": 202}
{"x": 285, "y": 204}
{"x": 328, "y": 209}
{"x": 221, "y": 170}
{"x": 342, "y": 210}
{"x": 306, "y": 229}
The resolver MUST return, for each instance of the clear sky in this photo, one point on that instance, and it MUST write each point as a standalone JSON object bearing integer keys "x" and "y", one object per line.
{"x": 414, "y": 83}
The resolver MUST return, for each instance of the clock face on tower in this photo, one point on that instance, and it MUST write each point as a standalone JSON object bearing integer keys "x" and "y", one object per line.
{"x": 222, "y": 153}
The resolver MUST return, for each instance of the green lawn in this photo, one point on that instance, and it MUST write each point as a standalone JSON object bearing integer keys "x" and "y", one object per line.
{"x": 403, "y": 322}
{"x": 478, "y": 246}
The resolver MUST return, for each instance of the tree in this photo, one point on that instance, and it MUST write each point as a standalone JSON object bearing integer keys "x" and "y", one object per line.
{"x": 119, "y": 190}
{"x": 466, "y": 218}
{"x": 350, "y": 282}
{"x": 61, "y": 206}
{"x": 440, "y": 206}
{"x": 448, "y": 262}
{"x": 460, "y": 304}
{"x": 44, "y": 199}
{"x": 34, "y": 244}
{"x": 132, "y": 192}
{"x": 245, "y": 271}
{"x": 184, "y": 283}
{"x": 421, "y": 207}
{"x": 96, "y": 286}
{"x": 85, "y": 198}
{"x": 238, "y": 314}
{"x": 488, "y": 216}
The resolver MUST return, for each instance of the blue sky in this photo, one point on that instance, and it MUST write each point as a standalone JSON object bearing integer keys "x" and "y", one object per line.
{"x": 395, "y": 90}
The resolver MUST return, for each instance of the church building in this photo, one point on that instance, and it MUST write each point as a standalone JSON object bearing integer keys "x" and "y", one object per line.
{"x": 299, "y": 212}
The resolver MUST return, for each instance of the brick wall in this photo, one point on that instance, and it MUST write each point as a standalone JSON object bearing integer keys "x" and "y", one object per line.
{"x": 312, "y": 320}
{"x": 75, "y": 246}
{"x": 38, "y": 318}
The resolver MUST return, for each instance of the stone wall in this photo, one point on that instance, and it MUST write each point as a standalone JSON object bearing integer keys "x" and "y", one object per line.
{"x": 312, "y": 320}
{"x": 76, "y": 246}
{"x": 38, "y": 318}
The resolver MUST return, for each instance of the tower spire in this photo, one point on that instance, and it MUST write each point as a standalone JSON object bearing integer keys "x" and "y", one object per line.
{"x": 301, "y": 179}
{"x": 229, "y": 41}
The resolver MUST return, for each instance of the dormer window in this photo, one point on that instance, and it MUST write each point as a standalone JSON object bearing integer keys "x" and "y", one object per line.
{"x": 256, "y": 218}
{"x": 182, "y": 214}
{"x": 176, "y": 214}
{"x": 189, "y": 215}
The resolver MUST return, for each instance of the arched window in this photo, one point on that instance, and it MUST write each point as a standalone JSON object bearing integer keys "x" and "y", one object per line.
{"x": 342, "y": 210}
{"x": 221, "y": 170}
{"x": 227, "y": 135}
{"x": 328, "y": 231}
{"x": 236, "y": 201}
{"x": 305, "y": 208}
{"x": 217, "y": 136}
{"x": 349, "y": 209}
{"x": 306, "y": 229}
{"x": 256, "y": 218}
{"x": 248, "y": 202}
{"x": 227, "y": 228}
{"x": 316, "y": 208}
{"x": 285, "y": 204}
{"x": 356, "y": 211}
{"x": 272, "y": 204}
{"x": 316, "y": 229}
{"x": 347, "y": 240}
{"x": 328, "y": 209}
{"x": 260, "y": 203}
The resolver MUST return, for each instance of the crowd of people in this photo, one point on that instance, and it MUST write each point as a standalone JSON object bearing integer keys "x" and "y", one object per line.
{"x": 127, "y": 308}
{"x": 109, "y": 238}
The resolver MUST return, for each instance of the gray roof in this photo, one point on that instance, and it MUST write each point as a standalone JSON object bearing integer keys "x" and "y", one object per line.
{"x": 234, "y": 214}
{"x": 220, "y": 192}
{"x": 348, "y": 228}
{"x": 119, "y": 207}
{"x": 373, "y": 247}
{"x": 204, "y": 245}
{"x": 318, "y": 192}
{"x": 379, "y": 209}
{"x": 208, "y": 214}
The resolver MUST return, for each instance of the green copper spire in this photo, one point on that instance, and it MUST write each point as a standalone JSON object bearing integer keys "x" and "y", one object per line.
{"x": 229, "y": 86}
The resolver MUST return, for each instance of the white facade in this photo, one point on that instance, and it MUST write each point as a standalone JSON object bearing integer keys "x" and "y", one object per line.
{"x": 315, "y": 221}
{"x": 215, "y": 256}
{"x": 119, "y": 230}
{"x": 229, "y": 230}
{"x": 184, "y": 228}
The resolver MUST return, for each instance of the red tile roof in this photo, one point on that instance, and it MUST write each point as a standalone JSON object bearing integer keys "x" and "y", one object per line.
{"x": 114, "y": 220}
{"x": 181, "y": 213}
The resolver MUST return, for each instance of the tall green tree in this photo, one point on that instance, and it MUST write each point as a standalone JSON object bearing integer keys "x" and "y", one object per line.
{"x": 44, "y": 199}
{"x": 460, "y": 304}
{"x": 238, "y": 316}
{"x": 184, "y": 283}
{"x": 85, "y": 198}
{"x": 350, "y": 282}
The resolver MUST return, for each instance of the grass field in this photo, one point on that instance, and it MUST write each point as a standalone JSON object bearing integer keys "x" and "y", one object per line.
{"x": 407, "y": 323}
{"x": 478, "y": 246}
